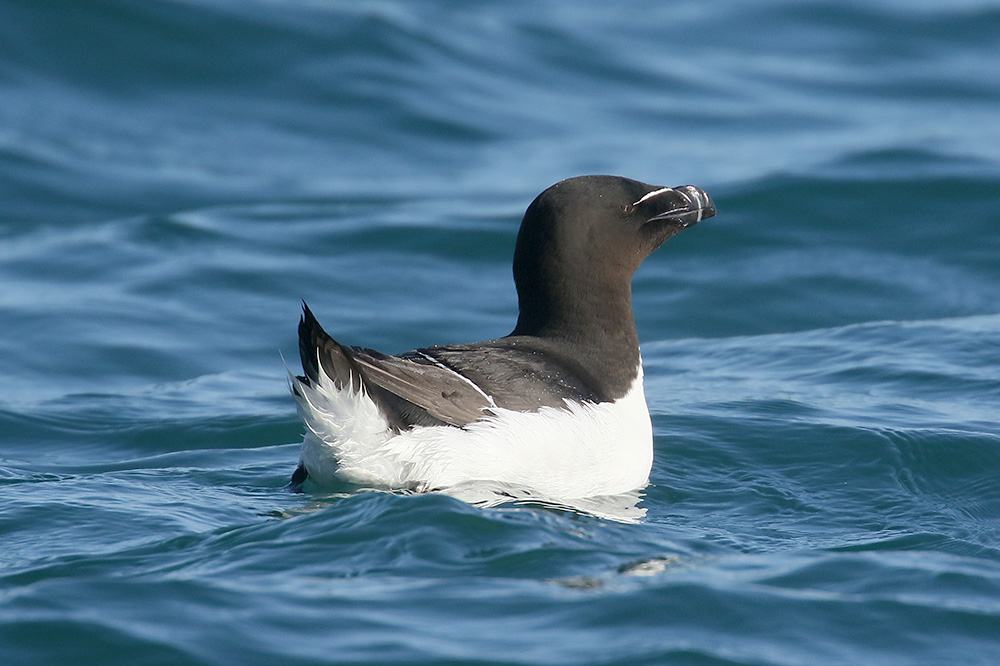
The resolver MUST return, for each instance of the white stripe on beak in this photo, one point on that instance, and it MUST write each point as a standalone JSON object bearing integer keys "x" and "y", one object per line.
{"x": 652, "y": 194}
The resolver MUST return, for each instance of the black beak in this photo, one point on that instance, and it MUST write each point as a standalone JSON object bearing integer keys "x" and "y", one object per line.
{"x": 689, "y": 205}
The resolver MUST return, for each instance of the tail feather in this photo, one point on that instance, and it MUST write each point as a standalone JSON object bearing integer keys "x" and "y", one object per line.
{"x": 318, "y": 350}
{"x": 407, "y": 393}
{"x": 321, "y": 353}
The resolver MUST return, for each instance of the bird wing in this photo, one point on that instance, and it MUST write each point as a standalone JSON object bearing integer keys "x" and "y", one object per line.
{"x": 408, "y": 391}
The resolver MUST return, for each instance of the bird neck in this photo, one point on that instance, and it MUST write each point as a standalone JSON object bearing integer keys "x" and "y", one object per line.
{"x": 596, "y": 321}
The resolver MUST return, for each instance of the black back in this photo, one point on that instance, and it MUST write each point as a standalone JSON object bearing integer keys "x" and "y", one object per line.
{"x": 578, "y": 246}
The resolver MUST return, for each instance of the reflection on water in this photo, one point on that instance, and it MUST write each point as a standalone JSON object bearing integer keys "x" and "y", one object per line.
{"x": 622, "y": 508}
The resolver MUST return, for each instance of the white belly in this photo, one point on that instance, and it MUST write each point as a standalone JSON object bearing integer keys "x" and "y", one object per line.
{"x": 583, "y": 450}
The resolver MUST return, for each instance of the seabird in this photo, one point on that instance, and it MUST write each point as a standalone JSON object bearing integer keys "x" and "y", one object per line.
{"x": 555, "y": 409}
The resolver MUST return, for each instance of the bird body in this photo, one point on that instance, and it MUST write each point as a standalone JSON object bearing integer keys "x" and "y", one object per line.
{"x": 556, "y": 408}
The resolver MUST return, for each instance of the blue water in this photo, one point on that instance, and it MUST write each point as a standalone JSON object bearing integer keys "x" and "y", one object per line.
{"x": 822, "y": 358}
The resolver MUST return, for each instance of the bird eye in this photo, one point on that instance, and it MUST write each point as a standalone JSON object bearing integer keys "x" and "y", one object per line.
{"x": 628, "y": 208}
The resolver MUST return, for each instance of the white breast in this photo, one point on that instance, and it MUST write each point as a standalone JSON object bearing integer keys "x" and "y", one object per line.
{"x": 583, "y": 450}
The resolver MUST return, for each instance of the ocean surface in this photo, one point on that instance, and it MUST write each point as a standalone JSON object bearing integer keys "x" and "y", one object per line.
{"x": 822, "y": 358}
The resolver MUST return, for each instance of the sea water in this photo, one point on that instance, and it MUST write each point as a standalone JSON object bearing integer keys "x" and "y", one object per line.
{"x": 822, "y": 358}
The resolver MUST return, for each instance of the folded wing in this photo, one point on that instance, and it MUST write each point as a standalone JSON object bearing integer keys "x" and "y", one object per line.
{"x": 409, "y": 392}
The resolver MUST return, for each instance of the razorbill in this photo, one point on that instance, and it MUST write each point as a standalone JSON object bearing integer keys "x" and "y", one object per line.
{"x": 556, "y": 408}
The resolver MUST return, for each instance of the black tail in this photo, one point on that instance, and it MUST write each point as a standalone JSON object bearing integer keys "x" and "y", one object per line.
{"x": 317, "y": 349}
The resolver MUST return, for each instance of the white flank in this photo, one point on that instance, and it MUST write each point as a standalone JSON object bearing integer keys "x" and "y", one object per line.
{"x": 582, "y": 450}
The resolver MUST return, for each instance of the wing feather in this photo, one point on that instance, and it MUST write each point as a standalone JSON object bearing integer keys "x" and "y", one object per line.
{"x": 409, "y": 392}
